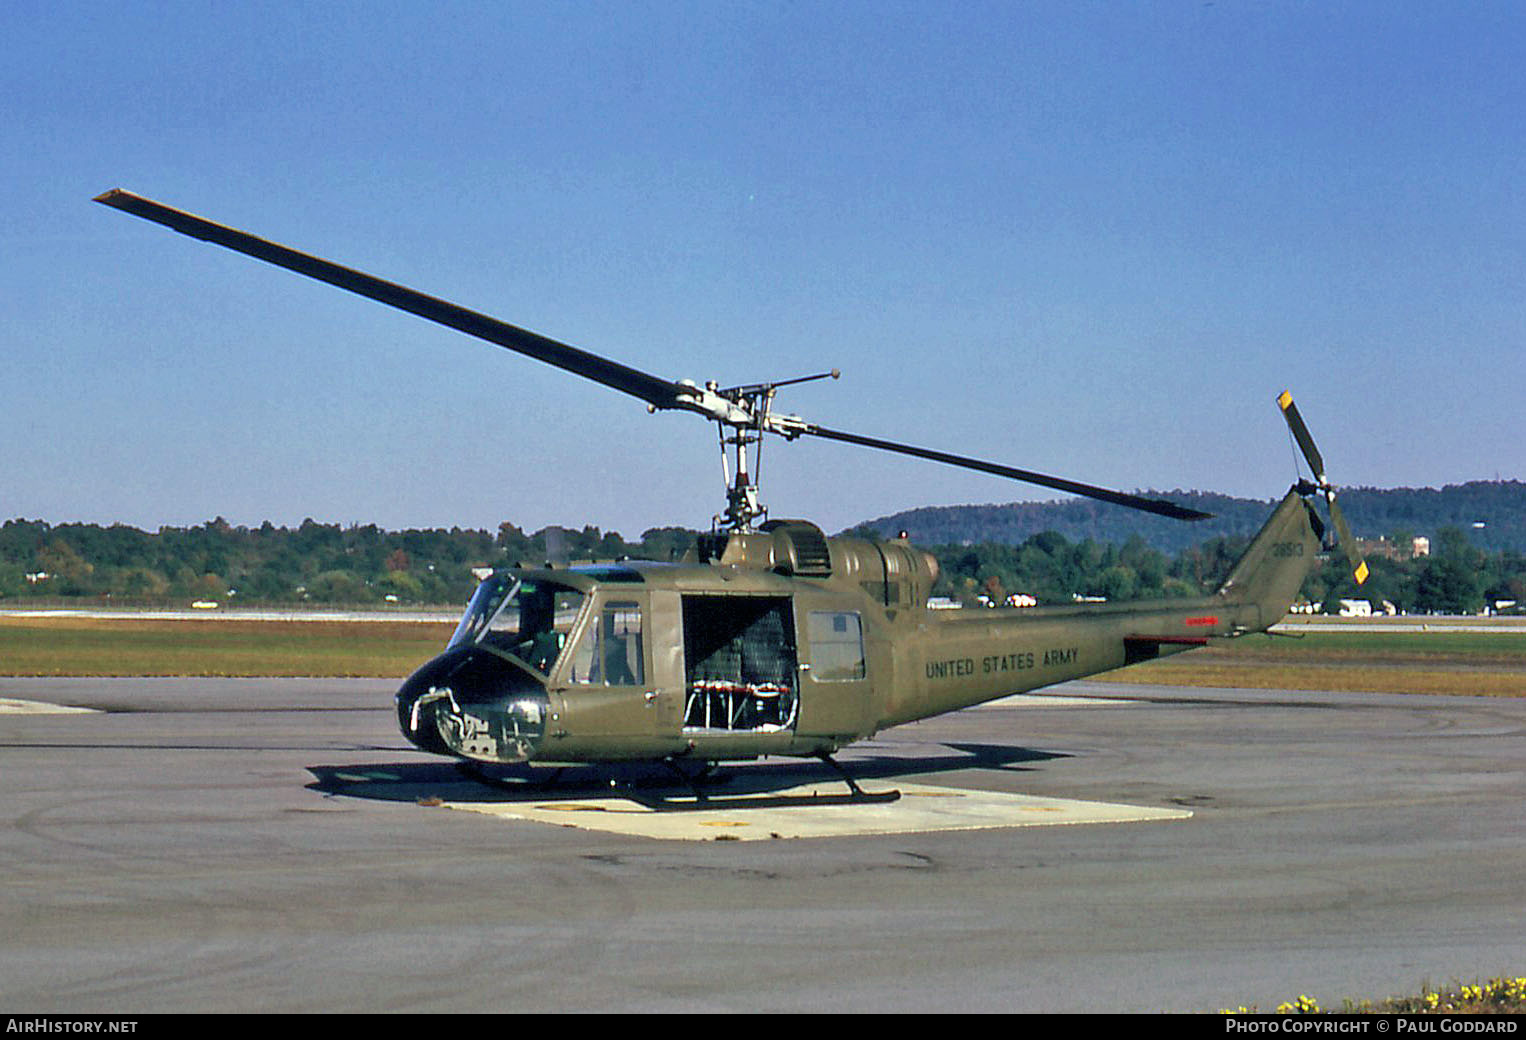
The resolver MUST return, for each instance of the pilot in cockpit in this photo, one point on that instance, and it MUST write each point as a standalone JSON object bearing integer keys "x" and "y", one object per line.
{"x": 539, "y": 642}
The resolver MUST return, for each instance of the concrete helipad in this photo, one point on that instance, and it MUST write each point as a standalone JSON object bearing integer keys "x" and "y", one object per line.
{"x": 815, "y": 811}
{"x": 237, "y": 845}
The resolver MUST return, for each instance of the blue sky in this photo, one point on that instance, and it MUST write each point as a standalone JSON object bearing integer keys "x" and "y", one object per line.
{"x": 1092, "y": 239}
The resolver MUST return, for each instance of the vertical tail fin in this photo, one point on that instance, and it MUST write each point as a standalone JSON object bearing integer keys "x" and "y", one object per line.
{"x": 1270, "y": 572}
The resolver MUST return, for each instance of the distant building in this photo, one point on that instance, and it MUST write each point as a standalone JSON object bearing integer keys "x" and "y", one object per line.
{"x": 1389, "y": 550}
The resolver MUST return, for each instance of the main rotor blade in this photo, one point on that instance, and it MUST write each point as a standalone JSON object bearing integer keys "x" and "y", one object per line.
{"x": 660, "y": 393}
{"x": 1121, "y": 498}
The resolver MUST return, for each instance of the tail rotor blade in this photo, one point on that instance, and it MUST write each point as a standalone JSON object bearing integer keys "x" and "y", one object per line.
{"x": 1302, "y": 436}
{"x": 1347, "y": 541}
{"x": 1344, "y": 538}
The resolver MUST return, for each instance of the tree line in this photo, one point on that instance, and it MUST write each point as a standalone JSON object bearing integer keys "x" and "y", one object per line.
{"x": 1492, "y": 512}
{"x": 362, "y": 564}
{"x": 1456, "y": 577}
{"x": 310, "y": 563}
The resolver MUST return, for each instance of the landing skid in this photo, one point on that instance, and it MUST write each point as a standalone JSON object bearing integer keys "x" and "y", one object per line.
{"x": 696, "y": 782}
{"x": 703, "y": 802}
{"x": 705, "y": 775}
{"x": 859, "y": 794}
{"x": 483, "y": 774}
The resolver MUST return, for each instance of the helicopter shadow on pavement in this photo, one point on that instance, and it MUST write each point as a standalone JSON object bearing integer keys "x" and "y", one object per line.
{"x": 770, "y": 784}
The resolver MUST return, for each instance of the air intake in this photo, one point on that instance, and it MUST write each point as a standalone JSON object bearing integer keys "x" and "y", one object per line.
{"x": 800, "y": 548}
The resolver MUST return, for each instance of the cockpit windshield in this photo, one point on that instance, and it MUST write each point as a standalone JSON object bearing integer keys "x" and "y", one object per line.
{"x": 529, "y": 620}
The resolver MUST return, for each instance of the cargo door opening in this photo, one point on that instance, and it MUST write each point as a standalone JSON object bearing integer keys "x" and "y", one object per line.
{"x": 740, "y": 663}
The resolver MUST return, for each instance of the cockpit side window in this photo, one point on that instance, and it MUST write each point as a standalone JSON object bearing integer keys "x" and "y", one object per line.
{"x": 610, "y": 652}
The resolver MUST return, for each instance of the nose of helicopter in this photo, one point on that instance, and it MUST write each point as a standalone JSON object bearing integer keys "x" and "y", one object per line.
{"x": 471, "y": 703}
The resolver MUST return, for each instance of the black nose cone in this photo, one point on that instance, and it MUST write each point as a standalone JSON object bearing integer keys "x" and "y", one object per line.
{"x": 471, "y": 703}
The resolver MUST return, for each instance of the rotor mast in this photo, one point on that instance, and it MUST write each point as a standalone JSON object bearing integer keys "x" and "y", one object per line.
{"x": 755, "y": 401}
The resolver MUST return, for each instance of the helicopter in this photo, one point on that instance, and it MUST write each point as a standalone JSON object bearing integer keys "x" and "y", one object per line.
{"x": 770, "y": 638}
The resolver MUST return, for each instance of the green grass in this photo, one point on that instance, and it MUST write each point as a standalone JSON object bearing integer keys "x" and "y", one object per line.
{"x": 134, "y": 647}
{"x": 1354, "y": 662}
{"x": 1359, "y": 661}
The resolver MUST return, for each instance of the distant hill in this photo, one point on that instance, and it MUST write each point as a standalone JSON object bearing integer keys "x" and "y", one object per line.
{"x": 1498, "y": 505}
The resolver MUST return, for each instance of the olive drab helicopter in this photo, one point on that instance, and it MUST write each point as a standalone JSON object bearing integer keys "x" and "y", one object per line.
{"x": 770, "y": 638}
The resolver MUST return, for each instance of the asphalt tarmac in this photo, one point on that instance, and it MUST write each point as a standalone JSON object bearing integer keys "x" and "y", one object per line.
{"x": 274, "y": 845}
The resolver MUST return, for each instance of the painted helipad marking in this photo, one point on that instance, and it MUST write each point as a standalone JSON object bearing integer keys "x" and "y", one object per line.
{"x": 13, "y": 706}
{"x": 1042, "y": 700}
{"x": 920, "y": 808}
{"x": 367, "y": 777}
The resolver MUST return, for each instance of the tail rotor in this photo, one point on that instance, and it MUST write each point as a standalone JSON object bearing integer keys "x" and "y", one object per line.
{"x": 1343, "y": 537}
